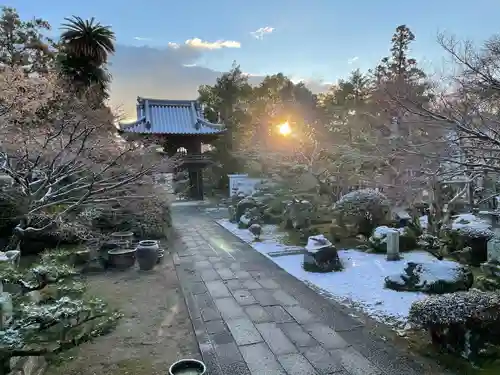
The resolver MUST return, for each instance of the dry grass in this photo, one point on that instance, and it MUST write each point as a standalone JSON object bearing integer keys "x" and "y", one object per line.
{"x": 154, "y": 333}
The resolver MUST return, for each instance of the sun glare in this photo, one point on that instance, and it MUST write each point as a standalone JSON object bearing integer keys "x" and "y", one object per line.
{"x": 285, "y": 129}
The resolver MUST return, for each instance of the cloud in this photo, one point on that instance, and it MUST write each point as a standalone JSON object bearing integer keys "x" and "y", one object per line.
{"x": 197, "y": 43}
{"x": 174, "y": 45}
{"x": 352, "y": 60}
{"x": 140, "y": 38}
{"x": 261, "y": 31}
{"x": 165, "y": 73}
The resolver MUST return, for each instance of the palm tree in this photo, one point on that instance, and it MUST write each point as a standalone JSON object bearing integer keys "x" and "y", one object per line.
{"x": 85, "y": 47}
{"x": 88, "y": 39}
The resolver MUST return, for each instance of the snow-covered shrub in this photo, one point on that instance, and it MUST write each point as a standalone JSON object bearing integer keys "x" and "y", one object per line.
{"x": 463, "y": 323}
{"x": 61, "y": 317}
{"x": 69, "y": 232}
{"x": 363, "y": 209}
{"x": 428, "y": 242}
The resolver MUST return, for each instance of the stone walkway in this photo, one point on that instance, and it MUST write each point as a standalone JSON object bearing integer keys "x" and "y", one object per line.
{"x": 250, "y": 317}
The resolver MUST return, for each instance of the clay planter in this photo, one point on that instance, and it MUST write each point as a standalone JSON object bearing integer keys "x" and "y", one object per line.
{"x": 161, "y": 255}
{"x": 124, "y": 239}
{"x": 147, "y": 254}
{"x": 187, "y": 367}
{"x": 121, "y": 259}
{"x": 81, "y": 257}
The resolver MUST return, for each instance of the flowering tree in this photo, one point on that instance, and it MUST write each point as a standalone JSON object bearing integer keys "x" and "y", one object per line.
{"x": 61, "y": 153}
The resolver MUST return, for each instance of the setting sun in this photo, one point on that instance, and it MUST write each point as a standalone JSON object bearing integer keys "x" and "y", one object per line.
{"x": 285, "y": 129}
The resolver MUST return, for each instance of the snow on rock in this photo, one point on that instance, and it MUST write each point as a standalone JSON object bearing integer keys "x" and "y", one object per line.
{"x": 469, "y": 221}
{"x": 316, "y": 243}
{"x": 381, "y": 232}
{"x": 431, "y": 277}
{"x": 461, "y": 221}
{"x": 360, "y": 284}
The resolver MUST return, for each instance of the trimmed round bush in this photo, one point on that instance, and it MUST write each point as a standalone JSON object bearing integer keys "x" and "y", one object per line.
{"x": 466, "y": 324}
{"x": 362, "y": 210}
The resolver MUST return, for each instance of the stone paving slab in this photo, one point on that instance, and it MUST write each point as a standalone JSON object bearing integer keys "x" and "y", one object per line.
{"x": 243, "y": 331}
{"x": 252, "y": 318}
{"x": 276, "y": 339}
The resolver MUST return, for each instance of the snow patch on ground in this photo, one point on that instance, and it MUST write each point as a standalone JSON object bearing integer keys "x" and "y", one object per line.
{"x": 183, "y": 202}
{"x": 216, "y": 209}
{"x": 360, "y": 284}
{"x": 271, "y": 238}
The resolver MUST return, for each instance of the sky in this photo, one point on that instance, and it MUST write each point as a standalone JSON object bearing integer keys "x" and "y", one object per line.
{"x": 167, "y": 48}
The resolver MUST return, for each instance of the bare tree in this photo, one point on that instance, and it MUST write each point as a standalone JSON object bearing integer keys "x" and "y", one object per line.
{"x": 463, "y": 123}
{"x": 61, "y": 152}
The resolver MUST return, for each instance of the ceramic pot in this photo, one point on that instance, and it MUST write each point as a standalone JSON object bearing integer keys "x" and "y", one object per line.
{"x": 161, "y": 255}
{"x": 147, "y": 254}
{"x": 81, "y": 257}
{"x": 121, "y": 259}
{"x": 123, "y": 239}
{"x": 187, "y": 367}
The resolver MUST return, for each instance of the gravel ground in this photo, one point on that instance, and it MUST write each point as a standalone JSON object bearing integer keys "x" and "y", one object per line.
{"x": 154, "y": 332}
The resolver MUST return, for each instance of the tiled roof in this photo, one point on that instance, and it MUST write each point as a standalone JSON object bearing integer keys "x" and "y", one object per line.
{"x": 156, "y": 116}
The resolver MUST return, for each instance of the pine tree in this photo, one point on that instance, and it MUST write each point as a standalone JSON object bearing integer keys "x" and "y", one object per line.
{"x": 398, "y": 66}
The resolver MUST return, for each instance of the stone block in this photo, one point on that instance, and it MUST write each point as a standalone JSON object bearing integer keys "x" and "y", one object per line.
{"x": 393, "y": 245}
{"x": 243, "y": 331}
{"x": 261, "y": 360}
{"x": 276, "y": 339}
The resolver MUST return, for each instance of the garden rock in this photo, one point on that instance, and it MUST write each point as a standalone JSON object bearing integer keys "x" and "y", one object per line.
{"x": 321, "y": 255}
{"x": 432, "y": 277}
{"x": 464, "y": 323}
{"x": 256, "y": 231}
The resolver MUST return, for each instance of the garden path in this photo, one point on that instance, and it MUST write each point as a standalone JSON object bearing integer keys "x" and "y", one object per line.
{"x": 251, "y": 317}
